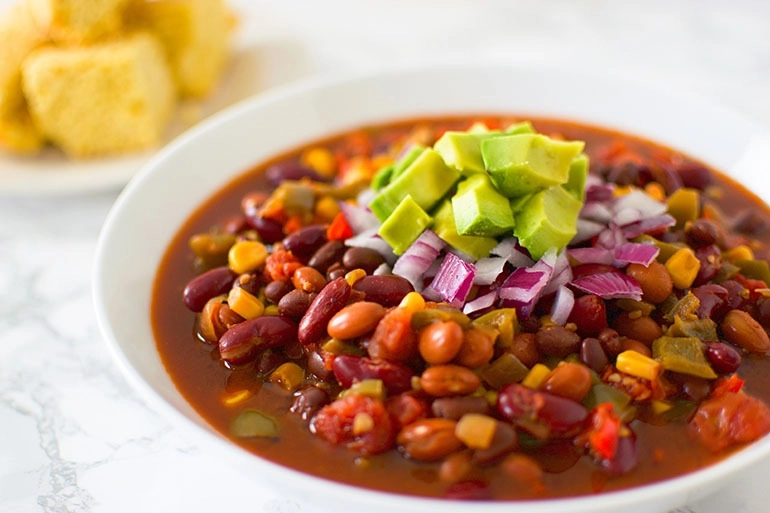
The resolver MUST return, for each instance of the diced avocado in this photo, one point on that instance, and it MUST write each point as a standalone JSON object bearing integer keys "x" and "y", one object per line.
{"x": 523, "y": 127}
{"x": 462, "y": 150}
{"x": 547, "y": 220}
{"x": 382, "y": 177}
{"x": 471, "y": 245}
{"x": 479, "y": 209}
{"x": 578, "y": 172}
{"x": 524, "y": 163}
{"x": 404, "y": 225}
{"x": 406, "y": 159}
{"x": 518, "y": 203}
{"x": 426, "y": 180}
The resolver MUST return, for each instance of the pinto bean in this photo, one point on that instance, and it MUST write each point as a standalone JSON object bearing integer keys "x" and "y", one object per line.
{"x": 449, "y": 380}
{"x": 429, "y": 439}
{"x": 741, "y": 329}
{"x": 355, "y": 320}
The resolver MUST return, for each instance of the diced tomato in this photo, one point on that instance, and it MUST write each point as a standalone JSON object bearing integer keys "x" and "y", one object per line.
{"x": 339, "y": 229}
{"x": 280, "y": 265}
{"x": 393, "y": 338}
{"x": 722, "y": 386}
{"x": 406, "y": 408}
{"x": 729, "y": 419}
{"x": 336, "y": 422}
{"x": 605, "y": 430}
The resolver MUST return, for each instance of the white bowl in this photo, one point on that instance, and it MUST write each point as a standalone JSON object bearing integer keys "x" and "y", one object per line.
{"x": 162, "y": 196}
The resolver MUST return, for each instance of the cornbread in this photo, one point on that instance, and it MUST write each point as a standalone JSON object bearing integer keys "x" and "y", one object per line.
{"x": 195, "y": 34}
{"x": 19, "y": 34}
{"x": 106, "y": 98}
{"x": 79, "y": 21}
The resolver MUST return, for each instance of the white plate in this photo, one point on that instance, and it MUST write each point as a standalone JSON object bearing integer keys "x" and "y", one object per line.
{"x": 213, "y": 153}
{"x": 52, "y": 173}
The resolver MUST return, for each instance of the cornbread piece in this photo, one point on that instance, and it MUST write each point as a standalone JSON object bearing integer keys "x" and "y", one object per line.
{"x": 79, "y": 21}
{"x": 19, "y": 35}
{"x": 103, "y": 99}
{"x": 195, "y": 34}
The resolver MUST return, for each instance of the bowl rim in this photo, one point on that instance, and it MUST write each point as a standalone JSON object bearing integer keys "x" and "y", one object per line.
{"x": 681, "y": 488}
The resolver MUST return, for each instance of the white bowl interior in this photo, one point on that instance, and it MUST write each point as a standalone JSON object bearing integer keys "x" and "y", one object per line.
{"x": 160, "y": 198}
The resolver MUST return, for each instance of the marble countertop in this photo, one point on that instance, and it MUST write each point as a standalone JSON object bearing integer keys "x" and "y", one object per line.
{"x": 74, "y": 437}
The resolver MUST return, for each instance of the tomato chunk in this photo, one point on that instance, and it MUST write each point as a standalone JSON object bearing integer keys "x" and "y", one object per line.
{"x": 360, "y": 423}
{"x": 730, "y": 419}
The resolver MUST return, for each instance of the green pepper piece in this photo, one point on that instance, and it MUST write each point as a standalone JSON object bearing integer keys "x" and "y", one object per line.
{"x": 703, "y": 329}
{"x": 666, "y": 248}
{"x": 684, "y": 355}
{"x": 504, "y": 321}
{"x": 254, "y": 424}
{"x": 756, "y": 269}
{"x": 422, "y": 318}
{"x": 503, "y": 371}
{"x": 684, "y": 308}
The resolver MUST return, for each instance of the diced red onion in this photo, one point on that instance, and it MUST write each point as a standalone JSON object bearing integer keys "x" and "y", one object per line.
{"x": 360, "y": 219}
{"x": 562, "y": 274}
{"x": 639, "y": 201}
{"x": 648, "y": 225}
{"x": 610, "y": 238}
{"x": 383, "y": 268}
{"x": 562, "y": 305}
{"x": 480, "y": 303}
{"x": 636, "y": 253}
{"x": 526, "y": 284}
{"x": 594, "y": 255}
{"x": 586, "y": 230}
{"x": 596, "y": 211}
{"x": 609, "y": 285}
{"x": 454, "y": 280}
{"x": 510, "y": 249}
{"x": 598, "y": 191}
{"x": 418, "y": 257}
{"x": 488, "y": 269}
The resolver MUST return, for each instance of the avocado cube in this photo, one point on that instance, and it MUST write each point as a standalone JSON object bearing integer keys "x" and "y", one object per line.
{"x": 520, "y": 164}
{"x": 462, "y": 150}
{"x": 444, "y": 226}
{"x": 548, "y": 220}
{"x": 404, "y": 225}
{"x": 523, "y": 127}
{"x": 406, "y": 160}
{"x": 578, "y": 172}
{"x": 479, "y": 209}
{"x": 426, "y": 180}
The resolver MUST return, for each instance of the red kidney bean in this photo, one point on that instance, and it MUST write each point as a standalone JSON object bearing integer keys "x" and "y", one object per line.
{"x": 702, "y": 232}
{"x": 269, "y": 230}
{"x": 749, "y": 222}
{"x": 542, "y": 414}
{"x": 267, "y": 361}
{"x": 305, "y": 241}
{"x": 362, "y": 258}
{"x": 710, "y": 258}
{"x": 289, "y": 170}
{"x": 592, "y": 354}
{"x": 349, "y": 369}
{"x": 589, "y": 313}
{"x": 724, "y": 358}
{"x": 695, "y": 176}
{"x": 504, "y": 441}
{"x": 243, "y": 341}
{"x": 336, "y": 270}
{"x": 317, "y": 365}
{"x": 713, "y": 301}
{"x": 610, "y": 341}
{"x": 295, "y": 303}
{"x": 331, "y": 299}
{"x": 308, "y": 401}
{"x": 203, "y": 287}
{"x": 557, "y": 341}
{"x": 328, "y": 254}
{"x": 455, "y": 407}
{"x": 387, "y": 289}
{"x": 276, "y": 289}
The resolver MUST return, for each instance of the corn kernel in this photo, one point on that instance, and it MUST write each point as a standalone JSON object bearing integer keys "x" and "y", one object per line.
{"x": 368, "y": 387}
{"x": 236, "y": 397}
{"x": 656, "y": 191}
{"x": 353, "y": 276}
{"x": 636, "y": 364}
{"x": 289, "y": 375}
{"x": 738, "y": 253}
{"x": 246, "y": 256}
{"x": 683, "y": 266}
{"x": 413, "y": 301}
{"x": 326, "y": 208}
{"x": 381, "y": 160}
{"x": 476, "y": 430}
{"x": 362, "y": 423}
{"x": 660, "y": 407}
{"x": 321, "y": 160}
{"x": 244, "y": 303}
{"x": 271, "y": 310}
{"x": 535, "y": 376}
{"x": 621, "y": 190}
